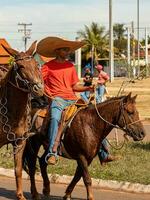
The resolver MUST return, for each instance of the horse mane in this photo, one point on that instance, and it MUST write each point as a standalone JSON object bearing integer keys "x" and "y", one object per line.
{"x": 108, "y": 101}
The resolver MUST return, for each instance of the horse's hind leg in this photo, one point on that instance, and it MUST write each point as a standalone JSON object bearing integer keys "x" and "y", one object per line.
{"x": 46, "y": 182}
{"x": 18, "y": 170}
{"x": 31, "y": 161}
{"x": 74, "y": 181}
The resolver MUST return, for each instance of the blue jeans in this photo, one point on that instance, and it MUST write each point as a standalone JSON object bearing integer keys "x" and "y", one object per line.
{"x": 57, "y": 106}
{"x": 85, "y": 96}
{"x": 100, "y": 93}
{"x": 103, "y": 151}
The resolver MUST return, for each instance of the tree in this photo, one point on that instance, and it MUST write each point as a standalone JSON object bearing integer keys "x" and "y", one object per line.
{"x": 120, "y": 41}
{"x": 96, "y": 39}
{"x": 143, "y": 41}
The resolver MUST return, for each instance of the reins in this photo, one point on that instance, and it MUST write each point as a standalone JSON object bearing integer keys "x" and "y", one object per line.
{"x": 115, "y": 126}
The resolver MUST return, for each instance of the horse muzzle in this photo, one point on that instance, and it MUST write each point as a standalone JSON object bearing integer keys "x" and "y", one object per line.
{"x": 138, "y": 135}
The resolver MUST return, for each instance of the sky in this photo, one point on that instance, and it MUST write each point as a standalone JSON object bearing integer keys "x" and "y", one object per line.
{"x": 65, "y": 17}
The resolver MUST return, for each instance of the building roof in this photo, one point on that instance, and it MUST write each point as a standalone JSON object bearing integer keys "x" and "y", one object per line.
{"x": 4, "y": 56}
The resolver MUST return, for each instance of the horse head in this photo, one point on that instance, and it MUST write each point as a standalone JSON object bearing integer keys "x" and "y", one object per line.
{"x": 129, "y": 118}
{"x": 25, "y": 73}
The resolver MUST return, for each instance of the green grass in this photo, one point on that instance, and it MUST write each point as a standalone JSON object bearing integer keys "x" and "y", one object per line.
{"x": 134, "y": 165}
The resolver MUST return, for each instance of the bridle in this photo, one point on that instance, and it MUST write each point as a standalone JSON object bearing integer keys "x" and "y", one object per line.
{"x": 19, "y": 79}
{"x": 121, "y": 114}
{"x": 11, "y": 136}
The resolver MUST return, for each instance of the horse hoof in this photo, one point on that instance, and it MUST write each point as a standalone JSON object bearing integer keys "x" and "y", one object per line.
{"x": 67, "y": 197}
{"x": 21, "y": 197}
{"x": 47, "y": 197}
{"x": 46, "y": 192}
{"x": 37, "y": 197}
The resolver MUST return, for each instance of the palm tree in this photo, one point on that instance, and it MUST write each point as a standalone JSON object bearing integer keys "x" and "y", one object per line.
{"x": 96, "y": 39}
{"x": 120, "y": 41}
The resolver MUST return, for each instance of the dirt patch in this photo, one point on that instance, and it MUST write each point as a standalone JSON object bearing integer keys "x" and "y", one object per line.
{"x": 139, "y": 87}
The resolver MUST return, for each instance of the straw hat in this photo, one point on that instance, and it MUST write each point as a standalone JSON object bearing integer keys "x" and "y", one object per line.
{"x": 47, "y": 46}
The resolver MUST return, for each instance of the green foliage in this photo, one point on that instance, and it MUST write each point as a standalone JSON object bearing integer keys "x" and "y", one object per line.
{"x": 133, "y": 166}
{"x": 96, "y": 38}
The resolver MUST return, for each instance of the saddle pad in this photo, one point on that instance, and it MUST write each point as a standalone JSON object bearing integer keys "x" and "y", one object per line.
{"x": 69, "y": 112}
{"x": 43, "y": 112}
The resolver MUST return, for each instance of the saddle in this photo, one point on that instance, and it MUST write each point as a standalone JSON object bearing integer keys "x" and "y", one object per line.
{"x": 68, "y": 112}
{"x": 68, "y": 115}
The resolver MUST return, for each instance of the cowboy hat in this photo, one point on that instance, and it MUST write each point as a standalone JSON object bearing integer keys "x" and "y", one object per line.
{"x": 47, "y": 46}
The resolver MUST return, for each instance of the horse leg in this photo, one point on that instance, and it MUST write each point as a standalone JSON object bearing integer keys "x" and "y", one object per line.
{"x": 18, "y": 170}
{"x": 82, "y": 162}
{"x": 32, "y": 170}
{"x": 46, "y": 182}
{"x": 74, "y": 181}
{"x": 31, "y": 158}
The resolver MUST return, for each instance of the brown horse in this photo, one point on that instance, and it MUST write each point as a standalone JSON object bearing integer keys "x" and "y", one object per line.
{"x": 83, "y": 138}
{"x": 22, "y": 79}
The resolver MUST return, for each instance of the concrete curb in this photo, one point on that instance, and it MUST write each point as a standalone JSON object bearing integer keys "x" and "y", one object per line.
{"x": 96, "y": 183}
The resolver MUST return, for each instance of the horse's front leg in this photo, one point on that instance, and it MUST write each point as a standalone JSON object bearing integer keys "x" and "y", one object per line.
{"x": 18, "y": 152}
{"x": 82, "y": 162}
{"x": 74, "y": 181}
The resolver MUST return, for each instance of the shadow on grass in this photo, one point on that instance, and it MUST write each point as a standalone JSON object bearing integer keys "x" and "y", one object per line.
{"x": 144, "y": 146}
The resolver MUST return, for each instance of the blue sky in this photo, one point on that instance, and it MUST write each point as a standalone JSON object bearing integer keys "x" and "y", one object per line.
{"x": 65, "y": 17}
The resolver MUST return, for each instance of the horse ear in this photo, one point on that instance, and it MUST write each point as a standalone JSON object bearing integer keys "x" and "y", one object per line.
{"x": 31, "y": 50}
{"x": 10, "y": 51}
{"x": 127, "y": 98}
{"x": 134, "y": 98}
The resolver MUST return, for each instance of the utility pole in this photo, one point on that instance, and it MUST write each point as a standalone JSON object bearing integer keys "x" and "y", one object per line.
{"x": 26, "y": 32}
{"x": 138, "y": 39}
{"x": 111, "y": 51}
{"x": 146, "y": 51}
{"x": 78, "y": 60}
{"x": 128, "y": 52}
{"x": 133, "y": 49}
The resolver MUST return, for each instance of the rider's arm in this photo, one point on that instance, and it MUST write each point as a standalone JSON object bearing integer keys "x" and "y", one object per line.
{"x": 80, "y": 88}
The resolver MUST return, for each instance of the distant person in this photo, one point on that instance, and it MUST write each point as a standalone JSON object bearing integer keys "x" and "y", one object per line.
{"x": 88, "y": 77}
{"x": 103, "y": 77}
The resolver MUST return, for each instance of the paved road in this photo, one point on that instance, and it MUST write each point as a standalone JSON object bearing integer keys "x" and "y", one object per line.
{"x": 7, "y": 191}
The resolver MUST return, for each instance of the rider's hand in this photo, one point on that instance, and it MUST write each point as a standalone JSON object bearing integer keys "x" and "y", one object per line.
{"x": 91, "y": 88}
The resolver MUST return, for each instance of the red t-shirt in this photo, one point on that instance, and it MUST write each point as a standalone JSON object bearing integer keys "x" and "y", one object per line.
{"x": 59, "y": 79}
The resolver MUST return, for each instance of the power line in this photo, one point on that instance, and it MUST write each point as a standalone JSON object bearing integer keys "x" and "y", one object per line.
{"x": 26, "y": 32}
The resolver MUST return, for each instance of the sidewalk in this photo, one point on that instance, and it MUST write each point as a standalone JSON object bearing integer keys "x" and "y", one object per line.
{"x": 96, "y": 183}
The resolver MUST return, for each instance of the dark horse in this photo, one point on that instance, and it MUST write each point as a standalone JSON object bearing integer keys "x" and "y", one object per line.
{"x": 83, "y": 138}
{"x": 22, "y": 79}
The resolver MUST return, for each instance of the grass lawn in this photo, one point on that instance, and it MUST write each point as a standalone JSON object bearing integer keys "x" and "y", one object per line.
{"x": 134, "y": 165}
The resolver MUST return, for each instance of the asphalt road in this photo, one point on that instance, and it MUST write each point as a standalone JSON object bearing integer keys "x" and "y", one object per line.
{"x": 7, "y": 191}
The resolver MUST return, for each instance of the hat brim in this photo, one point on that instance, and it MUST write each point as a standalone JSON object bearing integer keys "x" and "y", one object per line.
{"x": 47, "y": 46}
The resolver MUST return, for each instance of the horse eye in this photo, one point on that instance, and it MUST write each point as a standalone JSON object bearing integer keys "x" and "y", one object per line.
{"x": 21, "y": 67}
{"x": 130, "y": 113}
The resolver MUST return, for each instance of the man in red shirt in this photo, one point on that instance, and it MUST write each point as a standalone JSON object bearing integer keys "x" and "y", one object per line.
{"x": 61, "y": 82}
{"x": 103, "y": 77}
